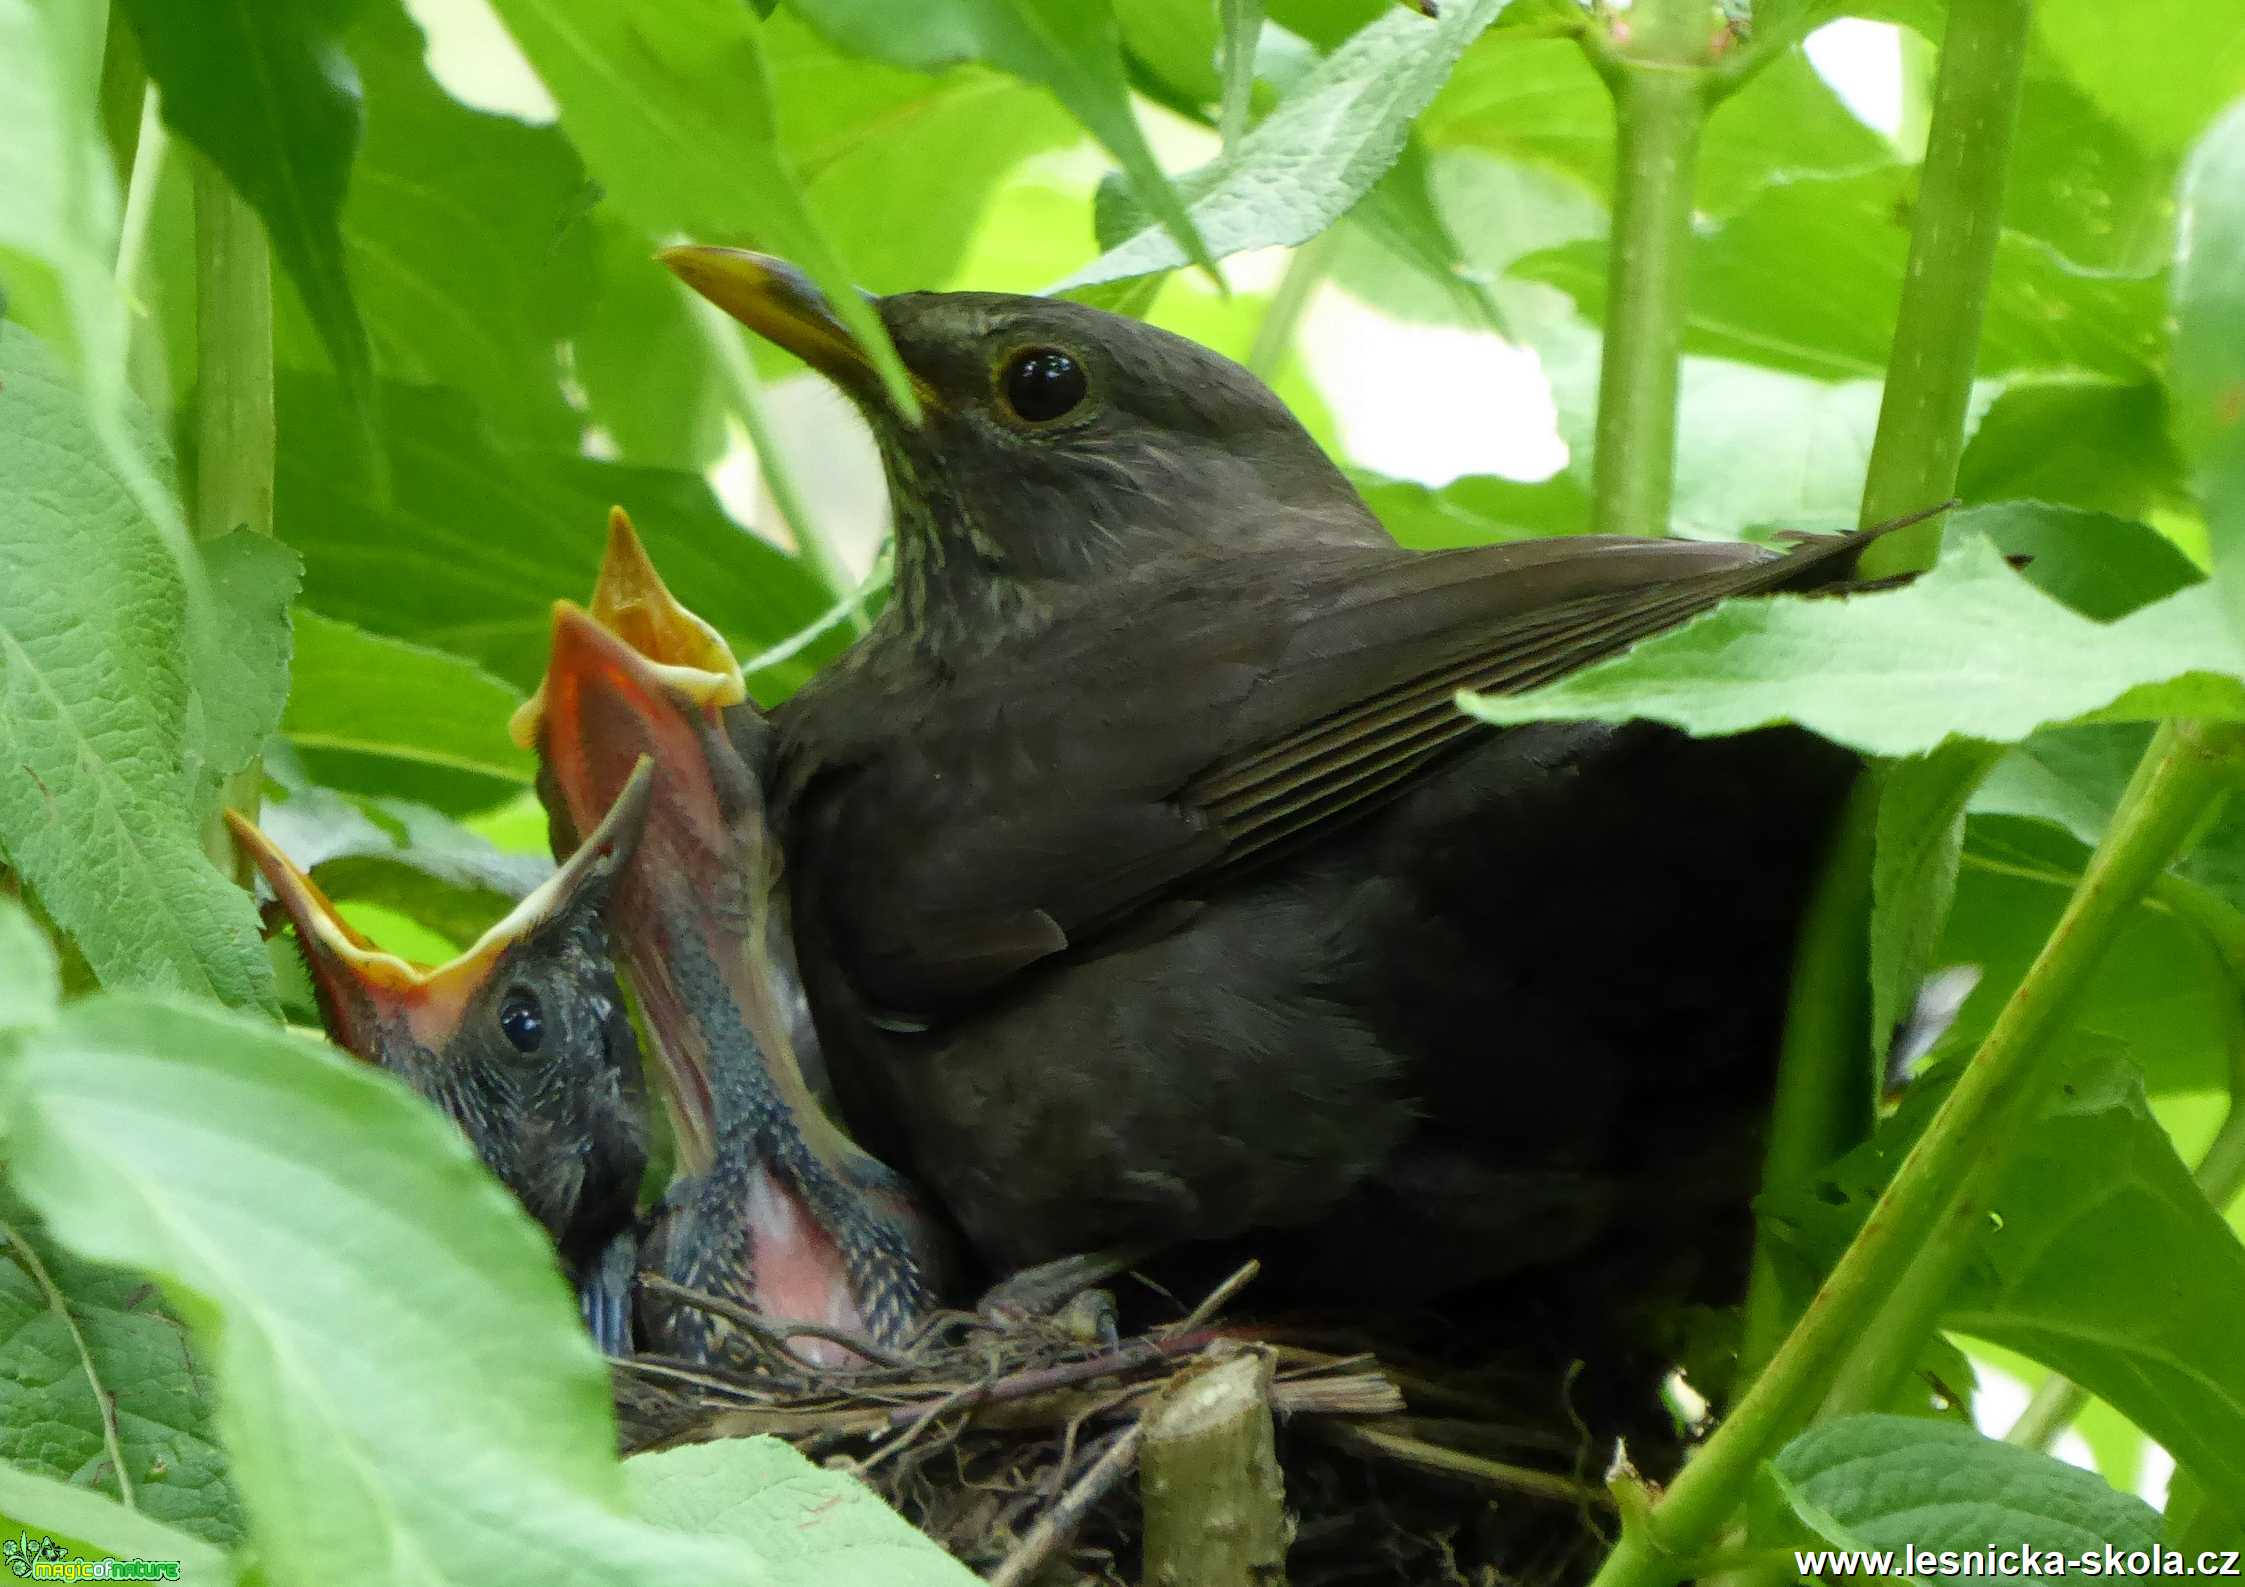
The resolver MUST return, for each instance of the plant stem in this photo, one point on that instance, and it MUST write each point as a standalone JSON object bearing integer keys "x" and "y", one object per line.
{"x": 1824, "y": 1101}
{"x": 1305, "y": 268}
{"x": 1945, "y": 289}
{"x": 1661, "y": 95}
{"x": 1881, "y": 1291}
{"x": 124, "y": 85}
{"x": 233, "y": 410}
{"x": 233, "y": 362}
{"x": 745, "y": 388}
{"x": 1243, "y": 27}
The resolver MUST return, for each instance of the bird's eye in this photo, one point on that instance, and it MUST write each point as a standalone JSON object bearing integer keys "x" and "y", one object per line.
{"x": 521, "y": 1020}
{"x": 1044, "y": 383}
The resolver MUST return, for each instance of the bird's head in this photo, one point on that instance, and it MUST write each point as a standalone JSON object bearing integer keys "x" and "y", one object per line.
{"x": 519, "y": 1037}
{"x": 812, "y": 1226}
{"x": 1058, "y": 443}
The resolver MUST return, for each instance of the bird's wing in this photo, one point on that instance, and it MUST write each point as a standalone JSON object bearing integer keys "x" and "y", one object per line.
{"x": 1099, "y": 785}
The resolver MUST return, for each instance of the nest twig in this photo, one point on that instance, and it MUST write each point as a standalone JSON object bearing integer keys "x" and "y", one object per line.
{"x": 1010, "y": 1442}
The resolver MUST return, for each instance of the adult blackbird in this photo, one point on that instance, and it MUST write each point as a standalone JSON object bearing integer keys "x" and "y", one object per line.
{"x": 1150, "y": 888}
{"x": 522, "y": 1040}
{"x": 773, "y": 1207}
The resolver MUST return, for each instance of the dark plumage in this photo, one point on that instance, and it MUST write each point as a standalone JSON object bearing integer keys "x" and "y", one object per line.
{"x": 1149, "y": 887}
{"x": 523, "y": 1040}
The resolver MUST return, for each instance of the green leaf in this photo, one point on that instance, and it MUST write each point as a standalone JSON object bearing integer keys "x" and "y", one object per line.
{"x": 1883, "y": 1482}
{"x": 2209, "y": 373}
{"x": 2196, "y": 1520}
{"x": 644, "y": 359}
{"x": 1175, "y": 41}
{"x": 2155, "y": 66}
{"x": 1755, "y": 446}
{"x": 92, "y": 1526}
{"x": 58, "y": 231}
{"x": 2110, "y": 1266}
{"x": 241, "y": 672}
{"x": 475, "y": 543}
{"x": 267, "y": 93}
{"x": 860, "y": 132}
{"x": 98, "y": 702}
{"x": 1969, "y": 650}
{"x": 1476, "y": 510}
{"x": 465, "y": 240}
{"x": 399, "y": 856}
{"x": 1320, "y": 150}
{"x": 2084, "y": 443}
{"x": 814, "y": 1526}
{"x": 1536, "y": 98}
{"x": 2099, "y": 1258}
{"x": 671, "y": 107}
{"x": 1805, "y": 279}
{"x": 76, "y": 1338}
{"x": 2082, "y": 183}
{"x": 377, "y": 696}
{"x": 2161, "y": 993}
{"x": 405, "y": 1389}
{"x": 60, "y": 220}
{"x": 30, "y": 980}
{"x": 1072, "y": 47}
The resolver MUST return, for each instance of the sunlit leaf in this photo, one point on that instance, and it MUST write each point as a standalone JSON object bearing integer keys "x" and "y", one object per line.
{"x": 2155, "y": 66}
{"x": 1970, "y": 650}
{"x": 1072, "y": 47}
{"x": 103, "y": 718}
{"x": 671, "y": 107}
{"x": 357, "y": 691}
{"x": 1319, "y": 151}
{"x": 404, "y": 1388}
{"x": 464, "y": 238}
{"x": 2209, "y": 377}
{"x": 1806, "y": 277}
{"x": 1536, "y": 98}
{"x": 813, "y": 1525}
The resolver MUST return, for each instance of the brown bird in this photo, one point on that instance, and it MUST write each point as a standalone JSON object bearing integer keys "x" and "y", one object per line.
{"x": 1150, "y": 888}
{"x": 773, "y": 1207}
{"x": 523, "y": 1040}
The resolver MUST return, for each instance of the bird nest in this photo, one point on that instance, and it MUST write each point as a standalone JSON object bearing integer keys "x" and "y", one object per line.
{"x": 1013, "y": 1443}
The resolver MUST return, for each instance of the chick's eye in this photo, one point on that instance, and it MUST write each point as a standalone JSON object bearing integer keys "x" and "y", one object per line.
{"x": 1044, "y": 383}
{"x": 521, "y": 1020}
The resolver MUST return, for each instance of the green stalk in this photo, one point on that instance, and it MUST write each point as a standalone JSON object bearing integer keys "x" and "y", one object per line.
{"x": 1878, "y": 1299}
{"x": 124, "y": 84}
{"x": 1662, "y": 94}
{"x": 1274, "y": 336}
{"x": 745, "y": 389}
{"x": 233, "y": 407}
{"x": 1824, "y": 1102}
{"x": 233, "y": 361}
{"x": 1243, "y": 28}
{"x": 1945, "y": 289}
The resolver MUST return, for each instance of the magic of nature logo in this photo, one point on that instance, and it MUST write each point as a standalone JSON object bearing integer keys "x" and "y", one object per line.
{"x": 47, "y": 1560}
